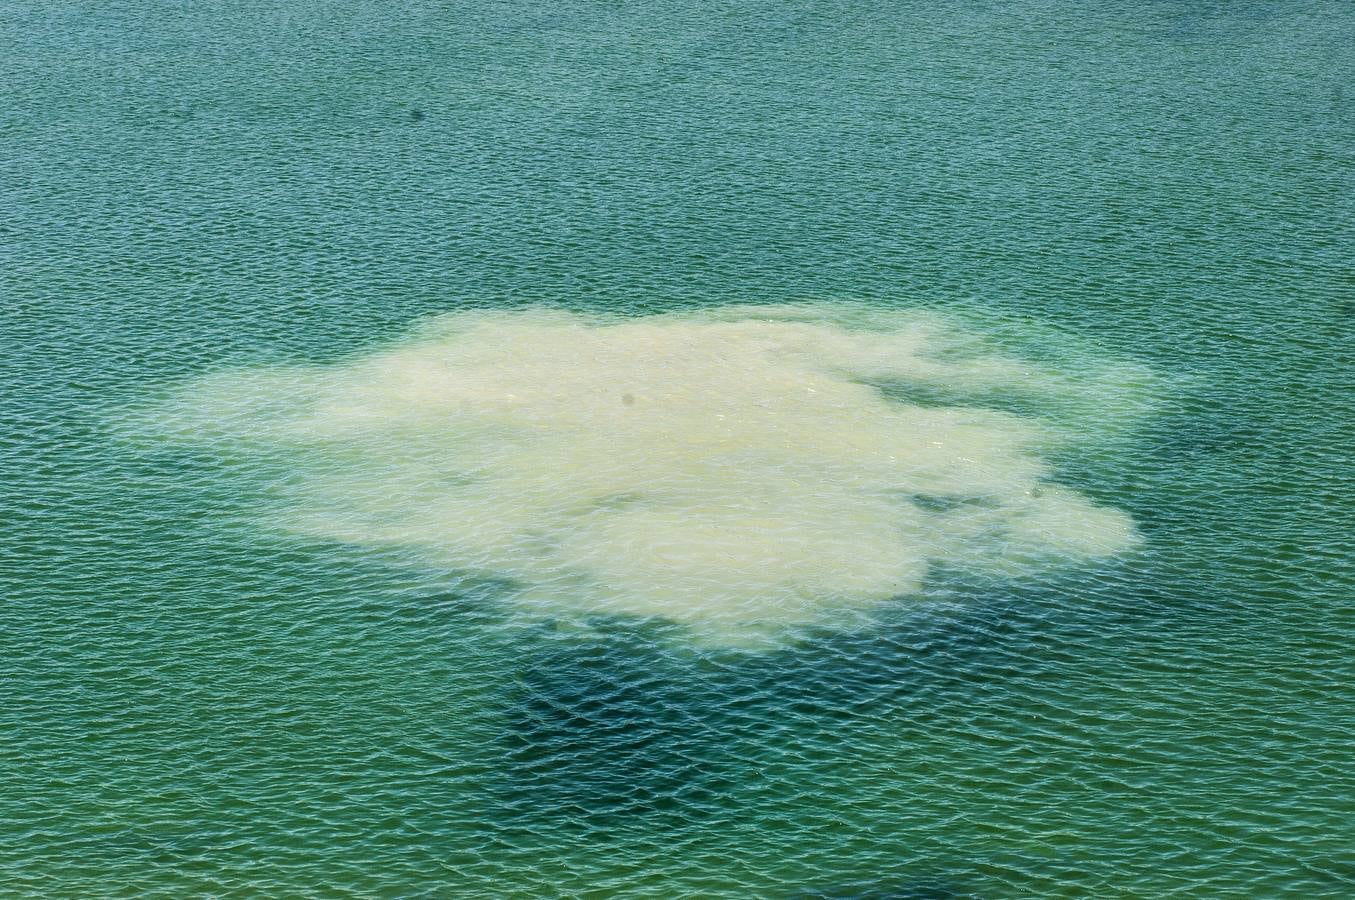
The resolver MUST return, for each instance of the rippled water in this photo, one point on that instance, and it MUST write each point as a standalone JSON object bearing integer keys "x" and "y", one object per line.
{"x": 195, "y": 699}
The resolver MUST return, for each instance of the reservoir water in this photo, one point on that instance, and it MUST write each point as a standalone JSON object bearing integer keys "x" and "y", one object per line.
{"x": 671, "y": 450}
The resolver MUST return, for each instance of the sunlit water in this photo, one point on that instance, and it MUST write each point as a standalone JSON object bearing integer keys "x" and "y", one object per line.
{"x": 796, "y": 450}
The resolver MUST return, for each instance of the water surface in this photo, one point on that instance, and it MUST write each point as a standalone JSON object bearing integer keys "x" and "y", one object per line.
{"x": 194, "y": 702}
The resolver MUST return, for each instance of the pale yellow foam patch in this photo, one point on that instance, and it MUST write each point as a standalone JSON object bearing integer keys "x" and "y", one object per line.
{"x": 738, "y": 470}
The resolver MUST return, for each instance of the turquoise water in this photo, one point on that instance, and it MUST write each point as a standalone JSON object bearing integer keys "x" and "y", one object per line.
{"x": 193, "y": 702}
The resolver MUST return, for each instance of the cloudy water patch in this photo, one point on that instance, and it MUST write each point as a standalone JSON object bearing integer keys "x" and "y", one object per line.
{"x": 745, "y": 472}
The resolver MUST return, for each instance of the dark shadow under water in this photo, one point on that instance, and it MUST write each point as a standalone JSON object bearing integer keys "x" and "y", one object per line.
{"x": 604, "y": 725}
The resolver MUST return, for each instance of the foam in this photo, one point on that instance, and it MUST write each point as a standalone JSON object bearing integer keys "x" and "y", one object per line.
{"x": 742, "y": 471}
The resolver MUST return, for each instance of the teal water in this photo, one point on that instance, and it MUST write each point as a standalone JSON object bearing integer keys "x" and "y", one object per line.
{"x": 193, "y": 703}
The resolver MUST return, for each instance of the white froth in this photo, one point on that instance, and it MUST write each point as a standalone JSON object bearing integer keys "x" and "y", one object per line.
{"x": 740, "y": 470}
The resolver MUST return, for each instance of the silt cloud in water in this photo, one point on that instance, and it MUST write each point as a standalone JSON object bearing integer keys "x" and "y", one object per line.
{"x": 743, "y": 471}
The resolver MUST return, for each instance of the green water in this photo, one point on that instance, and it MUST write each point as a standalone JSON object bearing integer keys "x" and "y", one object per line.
{"x": 192, "y": 704}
